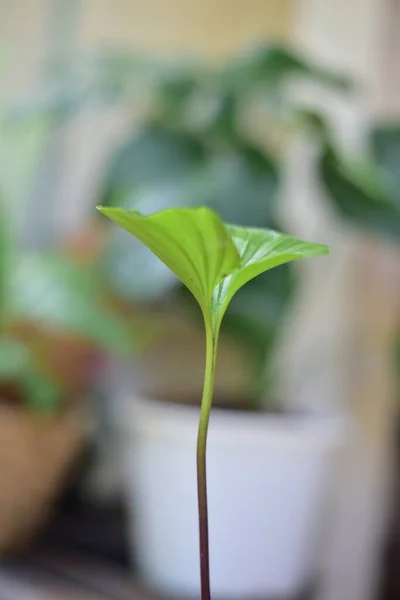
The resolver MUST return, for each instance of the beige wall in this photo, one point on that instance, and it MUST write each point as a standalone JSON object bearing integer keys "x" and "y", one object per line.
{"x": 212, "y": 27}
{"x": 22, "y": 34}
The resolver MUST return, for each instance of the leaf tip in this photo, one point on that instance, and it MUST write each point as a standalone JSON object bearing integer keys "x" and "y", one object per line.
{"x": 317, "y": 249}
{"x": 111, "y": 213}
{"x": 102, "y": 209}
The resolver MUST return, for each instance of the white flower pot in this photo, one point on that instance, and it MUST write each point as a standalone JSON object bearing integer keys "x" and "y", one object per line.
{"x": 266, "y": 481}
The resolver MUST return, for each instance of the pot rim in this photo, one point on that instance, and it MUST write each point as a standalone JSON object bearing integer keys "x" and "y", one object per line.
{"x": 146, "y": 417}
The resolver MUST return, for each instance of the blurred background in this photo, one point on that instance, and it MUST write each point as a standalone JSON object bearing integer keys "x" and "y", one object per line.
{"x": 281, "y": 114}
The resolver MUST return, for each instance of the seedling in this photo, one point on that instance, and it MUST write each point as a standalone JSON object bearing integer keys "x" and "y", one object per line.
{"x": 214, "y": 261}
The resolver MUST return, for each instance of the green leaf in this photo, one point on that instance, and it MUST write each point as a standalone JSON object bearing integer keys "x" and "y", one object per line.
{"x": 193, "y": 243}
{"x": 124, "y": 256}
{"x": 19, "y": 366}
{"x": 385, "y": 141}
{"x": 212, "y": 260}
{"x": 151, "y": 155}
{"x": 260, "y": 250}
{"x": 15, "y": 358}
{"x": 5, "y": 259}
{"x": 246, "y": 173}
{"x": 358, "y": 193}
{"x": 260, "y": 305}
{"x": 254, "y": 319}
{"x": 271, "y": 65}
{"x": 53, "y": 291}
{"x": 22, "y": 143}
{"x": 42, "y": 393}
{"x": 220, "y": 183}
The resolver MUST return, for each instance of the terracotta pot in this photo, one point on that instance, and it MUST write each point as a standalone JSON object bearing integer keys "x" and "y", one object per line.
{"x": 36, "y": 452}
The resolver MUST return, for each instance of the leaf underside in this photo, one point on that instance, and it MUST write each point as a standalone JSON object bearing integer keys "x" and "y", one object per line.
{"x": 193, "y": 243}
{"x": 212, "y": 259}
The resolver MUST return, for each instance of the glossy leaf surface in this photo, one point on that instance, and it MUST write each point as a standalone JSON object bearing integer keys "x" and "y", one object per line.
{"x": 193, "y": 243}
{"x": 260, "y": 250}
{"x": 213, "y": 260}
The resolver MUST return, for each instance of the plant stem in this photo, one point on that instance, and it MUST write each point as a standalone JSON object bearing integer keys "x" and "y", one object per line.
{"x": 206, "y": 402}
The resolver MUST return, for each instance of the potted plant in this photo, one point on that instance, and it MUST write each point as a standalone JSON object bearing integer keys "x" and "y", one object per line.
{"x": 213, "y": 135}
{"x": 214, "y": 261}
{"x": 54, "y": 321}
{"x": 198, "y": 141}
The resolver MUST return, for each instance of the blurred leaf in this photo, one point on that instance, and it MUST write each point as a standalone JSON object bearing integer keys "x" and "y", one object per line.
{"x": 359, "y": 194}
{"x": 53, "y": 291}
{"x": 41, "y": 392}
{"x": 385, "y": 141}
{"x": 313, "y": 122}
{"x": 396, "y": 354}
{"x": 193, "y": 243}
{"x": 254, "y": 317}
{"x": 242, "y": 186}
{"x": 134, "y": 272}
{"x": 18, "y": 364}
{"x": 262, "y": 301}
{"x": 221, "y": 182}
{"x": 173, "y": 93}
{"x": 224, "y": 119}
{"x": 152, "y": 155}
{"x": 21, "y": 148}
{"x": 5, "y": 257}
{"x": 15, "y": 359}
{"x": 271, "y": 65}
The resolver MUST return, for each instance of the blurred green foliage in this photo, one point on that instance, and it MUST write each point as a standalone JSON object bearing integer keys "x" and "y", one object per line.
{"x": 363, "y": 189}
{"x": 45, "y": 293}
{"x": 215, "y": 135}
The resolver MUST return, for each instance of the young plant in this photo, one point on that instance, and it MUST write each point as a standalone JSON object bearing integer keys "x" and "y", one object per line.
{"x": 214, "y": 261}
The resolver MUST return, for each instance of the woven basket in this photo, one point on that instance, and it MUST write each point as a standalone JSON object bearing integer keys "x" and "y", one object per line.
{"x": 35, "y": 454}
